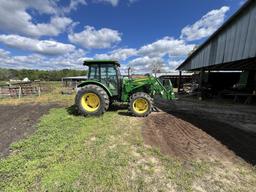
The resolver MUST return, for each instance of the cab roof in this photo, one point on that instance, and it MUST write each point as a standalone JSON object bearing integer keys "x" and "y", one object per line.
{"x": 101, "y": 62}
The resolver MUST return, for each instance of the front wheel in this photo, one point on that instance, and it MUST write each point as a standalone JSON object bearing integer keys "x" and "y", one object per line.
{"x": 141, "y": 104}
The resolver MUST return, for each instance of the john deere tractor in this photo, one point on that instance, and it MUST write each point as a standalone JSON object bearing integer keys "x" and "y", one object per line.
{"x": 106, "y": 85}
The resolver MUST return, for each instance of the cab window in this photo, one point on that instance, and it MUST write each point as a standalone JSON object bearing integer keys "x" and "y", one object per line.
{"x": 108, "y": 72}
{"x": 94, "y": 72}
{"x": 111, "y": 73}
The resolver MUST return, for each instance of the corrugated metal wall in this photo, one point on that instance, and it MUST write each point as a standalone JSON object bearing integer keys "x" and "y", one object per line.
{"x": 236, "y": 41}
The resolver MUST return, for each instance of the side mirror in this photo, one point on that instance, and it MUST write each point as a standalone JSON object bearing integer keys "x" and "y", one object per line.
{"x": 129, "y": 72}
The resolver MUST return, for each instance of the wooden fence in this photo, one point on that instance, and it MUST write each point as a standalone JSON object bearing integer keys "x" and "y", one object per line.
{"x": 23, "y": 89}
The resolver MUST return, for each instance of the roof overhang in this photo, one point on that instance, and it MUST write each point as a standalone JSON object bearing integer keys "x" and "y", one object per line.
{"x": 241, "y": 65}
{"x": 216, "y": 33}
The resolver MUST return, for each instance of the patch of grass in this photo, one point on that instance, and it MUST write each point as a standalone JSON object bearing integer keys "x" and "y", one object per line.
{"x": 60, "y": 152}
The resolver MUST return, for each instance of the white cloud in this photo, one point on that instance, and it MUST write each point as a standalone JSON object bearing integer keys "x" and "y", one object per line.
{"x": 144, "y": 61}
{"x": 143, "y": 65}
{"x": 92, "y": 38}
{"x": 112, "y": 2}
{"x": 47, "y": 47}
{"x": 207, "y": 25}
{"x": 118, "y": 54}
{"x": 171, "y": 65}
{"x": 56, "y": 26}
{"x": 152, "y": 56}
{"x": 166, "y": 46}
{"x": 155, "y": 56}
{"x": 72, "y": 60}
{"x": 146, "y": 64}
{"x": 3, "y": 53}
{"x": 14, "y": 18}
{"x": 73, "y": 5}
{"x": 19, "y": 62}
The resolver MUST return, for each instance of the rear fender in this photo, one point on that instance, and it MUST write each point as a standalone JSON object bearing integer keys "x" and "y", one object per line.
{"x": 91, "y": 82}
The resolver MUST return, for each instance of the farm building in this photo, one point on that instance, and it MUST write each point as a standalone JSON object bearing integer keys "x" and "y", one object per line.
{"x": 232, "y": 50}
{"x": 177, "y": 81}
{"x": 69, "y": 84}
{"x": 72, "y": 81}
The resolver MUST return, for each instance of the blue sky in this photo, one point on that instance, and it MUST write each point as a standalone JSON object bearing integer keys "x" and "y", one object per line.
{"x": 142, "y": 34}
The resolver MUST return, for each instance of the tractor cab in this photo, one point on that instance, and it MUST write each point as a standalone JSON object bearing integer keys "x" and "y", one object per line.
{"x": 107, "y": 73}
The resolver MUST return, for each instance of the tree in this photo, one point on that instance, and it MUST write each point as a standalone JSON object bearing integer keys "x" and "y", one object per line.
{"x": 55, "y": 75}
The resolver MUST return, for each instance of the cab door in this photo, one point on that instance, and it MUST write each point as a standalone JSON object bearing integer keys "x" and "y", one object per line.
{"x": 109, "y": 78}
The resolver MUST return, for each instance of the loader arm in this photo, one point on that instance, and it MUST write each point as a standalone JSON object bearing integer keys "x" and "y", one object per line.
{"x": 149, "y": 85}
{"x": 159, "y": 89}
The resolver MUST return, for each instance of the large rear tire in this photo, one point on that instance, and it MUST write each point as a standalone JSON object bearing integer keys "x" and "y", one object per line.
{"x": 92, "y": 100}
{"x": 141, "y": 104}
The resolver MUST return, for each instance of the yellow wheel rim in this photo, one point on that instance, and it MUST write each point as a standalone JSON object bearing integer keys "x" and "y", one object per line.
{"x": 140, "y": 105}
{"x": 90, "y": 102}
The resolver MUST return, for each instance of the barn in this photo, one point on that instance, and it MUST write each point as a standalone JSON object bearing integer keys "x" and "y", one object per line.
{"x": 229, "y": 56}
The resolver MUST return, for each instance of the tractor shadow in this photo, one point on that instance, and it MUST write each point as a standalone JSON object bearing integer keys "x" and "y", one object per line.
{"x": 116, "y": 107}
{"x": 72, "y": 110}
{"x": 125, "y": 113}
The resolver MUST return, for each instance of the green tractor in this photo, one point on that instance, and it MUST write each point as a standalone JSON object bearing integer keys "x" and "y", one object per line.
{"x": 105, "y": 85}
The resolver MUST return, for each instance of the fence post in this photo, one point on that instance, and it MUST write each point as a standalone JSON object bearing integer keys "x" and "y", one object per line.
{"x": 39, "y": 91}
{"x": 19, "y": 91}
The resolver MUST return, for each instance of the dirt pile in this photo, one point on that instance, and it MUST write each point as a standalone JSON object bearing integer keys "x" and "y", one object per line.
{"x": 179, "y": 138}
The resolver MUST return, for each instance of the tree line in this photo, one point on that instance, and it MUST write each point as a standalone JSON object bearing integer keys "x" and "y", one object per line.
{"x": 43, "y": 75}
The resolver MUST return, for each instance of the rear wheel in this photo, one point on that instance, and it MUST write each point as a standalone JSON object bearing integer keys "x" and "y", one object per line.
{"x": 92, "y": 100}
{"x": 140, "y": 104}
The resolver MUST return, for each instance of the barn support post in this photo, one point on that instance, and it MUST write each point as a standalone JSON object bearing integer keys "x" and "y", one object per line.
{"x": 254, "y": 91}
{"x": 201, "y": 82}
{"x": 179, "y": 81}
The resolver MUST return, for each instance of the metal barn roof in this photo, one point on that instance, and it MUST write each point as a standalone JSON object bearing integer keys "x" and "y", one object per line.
{"x": 231, "y": 47}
